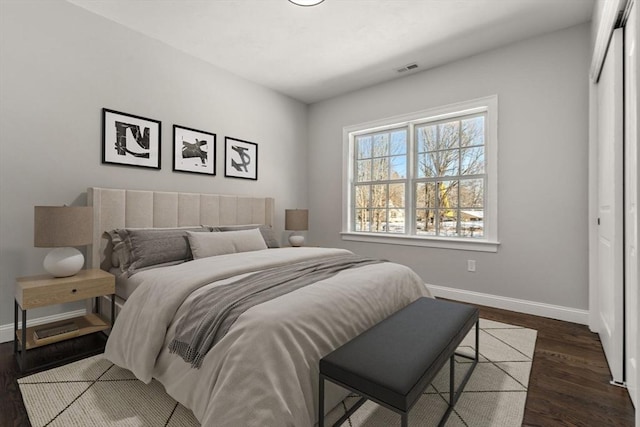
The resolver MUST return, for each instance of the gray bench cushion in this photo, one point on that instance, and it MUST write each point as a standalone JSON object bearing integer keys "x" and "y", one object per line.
{"x": 395, "y": 360}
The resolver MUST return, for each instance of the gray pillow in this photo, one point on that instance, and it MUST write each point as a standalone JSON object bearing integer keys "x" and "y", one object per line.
{"x": 213, "y": 244}
{"x": 265, "y": 230}
{"x": 154, "y": 246}
{"x": 117, "y": 247}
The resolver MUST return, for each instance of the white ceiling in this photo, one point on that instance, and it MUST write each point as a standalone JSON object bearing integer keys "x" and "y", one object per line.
{"x": 314, "y": 53}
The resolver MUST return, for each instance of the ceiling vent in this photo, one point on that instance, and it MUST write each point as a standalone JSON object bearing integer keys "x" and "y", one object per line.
{"x": 408, "y": 67}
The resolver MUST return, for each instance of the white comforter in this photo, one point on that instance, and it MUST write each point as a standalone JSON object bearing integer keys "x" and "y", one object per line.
{"x": 264, "y": 372}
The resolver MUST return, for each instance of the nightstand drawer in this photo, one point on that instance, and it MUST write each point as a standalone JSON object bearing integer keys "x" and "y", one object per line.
{"x": 41, "y": 291}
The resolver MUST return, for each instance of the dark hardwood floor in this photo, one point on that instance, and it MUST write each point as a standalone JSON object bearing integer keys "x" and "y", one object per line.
{"x": 569, "y": 384}
{"x": 12, "y": 410}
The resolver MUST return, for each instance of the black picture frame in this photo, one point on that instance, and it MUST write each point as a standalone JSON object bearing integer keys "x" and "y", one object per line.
{"x": 189, "y": 152}
{"x": 130, "y": 140}
{"x": 240, "y": 159}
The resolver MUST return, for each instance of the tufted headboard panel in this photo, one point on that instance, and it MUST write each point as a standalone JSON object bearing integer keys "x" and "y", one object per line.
{"x": 118, "y": 208}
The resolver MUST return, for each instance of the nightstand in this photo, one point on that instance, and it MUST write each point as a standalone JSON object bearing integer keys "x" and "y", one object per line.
{"x": 44, "y": 290}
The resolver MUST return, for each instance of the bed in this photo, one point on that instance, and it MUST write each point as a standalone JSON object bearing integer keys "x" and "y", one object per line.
{"x": 262, "y": 369}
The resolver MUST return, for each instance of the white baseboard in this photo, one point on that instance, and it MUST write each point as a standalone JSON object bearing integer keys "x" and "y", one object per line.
{"x": 557, "y": 312}
{"x": 522, "y": 306}
{"x": 6, "y": 331}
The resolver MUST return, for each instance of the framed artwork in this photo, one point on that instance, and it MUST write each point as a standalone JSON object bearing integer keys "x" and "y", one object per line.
{"x": 240, "y": 159}
{"x": 194, "y": 151}
{"x": 130, "y": 140}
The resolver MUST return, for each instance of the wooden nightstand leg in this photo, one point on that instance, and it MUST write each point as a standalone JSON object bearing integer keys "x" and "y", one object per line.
{"x": 23, "y": 351}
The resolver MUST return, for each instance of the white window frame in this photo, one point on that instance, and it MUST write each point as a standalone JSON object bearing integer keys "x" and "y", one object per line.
{"x": 489, "y": 243}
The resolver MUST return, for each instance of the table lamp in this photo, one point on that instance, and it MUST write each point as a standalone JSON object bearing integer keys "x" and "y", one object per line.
{"x": 296, "y": 220}
{"x": 62, "y": 227}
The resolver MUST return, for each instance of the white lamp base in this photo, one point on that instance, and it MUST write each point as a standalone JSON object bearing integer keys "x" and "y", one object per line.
{"x": 296, "y": 240}
{"x": 63, "y": 262}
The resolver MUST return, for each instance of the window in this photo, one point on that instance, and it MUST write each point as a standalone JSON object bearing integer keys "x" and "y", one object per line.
{"x": 425, "y": 179}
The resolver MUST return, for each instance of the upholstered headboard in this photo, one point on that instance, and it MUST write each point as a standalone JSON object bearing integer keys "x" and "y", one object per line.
{"x": 117, "y": 208}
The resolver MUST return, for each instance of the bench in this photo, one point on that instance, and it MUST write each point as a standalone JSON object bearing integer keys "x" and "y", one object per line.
{"x": 394, "y": 361}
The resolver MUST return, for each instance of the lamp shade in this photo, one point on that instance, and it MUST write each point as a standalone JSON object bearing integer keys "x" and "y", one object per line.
{"x": 60, "y": 226}
{"x": 296, "y": 219}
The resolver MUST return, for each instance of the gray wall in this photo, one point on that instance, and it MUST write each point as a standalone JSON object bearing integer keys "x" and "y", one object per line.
{"x": 60, "y": 65}
{"x": 542, "y": 91}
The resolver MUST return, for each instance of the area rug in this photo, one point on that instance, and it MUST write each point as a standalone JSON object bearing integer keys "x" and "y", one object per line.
{"x": 94, "y": 392}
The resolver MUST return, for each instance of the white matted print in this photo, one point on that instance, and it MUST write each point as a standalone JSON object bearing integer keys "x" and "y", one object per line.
{"x": 240, "y": 159}
{"x": 130, "y": 140}
{"x": 194, "y": 150}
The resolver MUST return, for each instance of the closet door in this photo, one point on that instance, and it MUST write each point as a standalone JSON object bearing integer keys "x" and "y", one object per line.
{"x": 610, "y": 208}
{"x": 631, "y": 201}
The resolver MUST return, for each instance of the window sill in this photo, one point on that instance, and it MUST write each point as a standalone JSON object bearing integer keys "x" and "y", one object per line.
{"x": 428, "y": 242}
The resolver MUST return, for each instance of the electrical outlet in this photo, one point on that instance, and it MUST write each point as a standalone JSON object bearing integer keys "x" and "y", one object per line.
{"x": 471, "y": 265}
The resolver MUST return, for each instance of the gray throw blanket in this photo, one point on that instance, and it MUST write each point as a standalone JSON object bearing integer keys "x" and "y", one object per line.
{"x": 211, "y": 316}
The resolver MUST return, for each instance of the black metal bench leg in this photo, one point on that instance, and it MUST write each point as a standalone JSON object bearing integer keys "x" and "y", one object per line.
{"x": 405, "y": 420}
{"x": 454, "y": 394}
{"x": 452, "y": 391}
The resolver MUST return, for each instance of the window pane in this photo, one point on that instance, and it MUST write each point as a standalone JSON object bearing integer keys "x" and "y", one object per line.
{"x": 396, "y": 196}
{"x": 471, "y": 223}
{"x": 379, "y": 196}
{"x": 398, "y": 165}
{"x": 380, "y": 170}
{"x": 399, "y": 142}
{"x": 396, "y": 223}
{"x": 448, "y": 196}
{"x": 425, "y": 222}
{"x": 449, "y": 135}
{"x": 426, "y": 165}
{"x": 472, "y": 193}
{"x": 363, "y": 220}
{"x": 363, "y": 146}
{"x": 362, "y": 196}
{"x": 449, "y": 224}
{"x": 426, "y": 195}
{"x": 472, "y": 161}
{"x": 363, "y": 174}
{"x": 473, "y": 131}
{"x": 448, "y": 162}
{"x": 381, "y": 145}
{"x": 427, "y": 138}
{"x": 378, "y": 220}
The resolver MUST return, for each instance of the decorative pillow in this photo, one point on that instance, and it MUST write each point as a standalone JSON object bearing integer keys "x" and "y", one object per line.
{"x": 212, "y": 244}
{"x": 147, "y": 247}
{"x": 117, "y": 247}
{"x": 265, "y": 230}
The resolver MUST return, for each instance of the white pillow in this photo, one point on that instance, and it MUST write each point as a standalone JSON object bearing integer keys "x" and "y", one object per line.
{"x": 212, "y": 244}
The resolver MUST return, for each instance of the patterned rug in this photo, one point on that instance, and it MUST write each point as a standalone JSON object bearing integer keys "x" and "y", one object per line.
{"x": 94, "y": 392}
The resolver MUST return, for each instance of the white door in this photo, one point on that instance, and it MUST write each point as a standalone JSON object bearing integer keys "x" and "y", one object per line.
{"x": 631, "y": 201}
{"x": 610, "y": 207}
